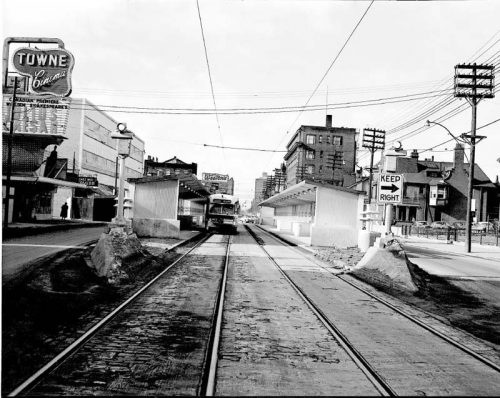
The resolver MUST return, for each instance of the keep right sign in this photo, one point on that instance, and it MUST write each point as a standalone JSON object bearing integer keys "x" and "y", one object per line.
{"x": 390, "y": 188}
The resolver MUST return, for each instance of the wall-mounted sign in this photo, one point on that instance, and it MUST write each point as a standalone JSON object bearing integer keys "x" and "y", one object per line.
{"x": 89, "y": 181}
{"x": 390, "y": 188}
{"x": 215, "y": 177}
{"x": 35, "y": 114}
{"x": 49, "y": 70}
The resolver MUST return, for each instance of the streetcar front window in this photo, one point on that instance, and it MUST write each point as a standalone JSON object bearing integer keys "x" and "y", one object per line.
{"x": 222, "y": 209}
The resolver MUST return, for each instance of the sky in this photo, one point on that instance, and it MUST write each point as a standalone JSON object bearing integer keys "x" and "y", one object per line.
{"x": 387, "y": 65}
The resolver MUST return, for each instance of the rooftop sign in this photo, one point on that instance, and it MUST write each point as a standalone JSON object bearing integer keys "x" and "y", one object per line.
{"x": 49, "y": 70}
{"x": 215, "y": 177}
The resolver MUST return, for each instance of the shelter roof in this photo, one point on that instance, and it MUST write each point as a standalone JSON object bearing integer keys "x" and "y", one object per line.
{"x": 303, "y": 192}
{"x": 189, "y": 186}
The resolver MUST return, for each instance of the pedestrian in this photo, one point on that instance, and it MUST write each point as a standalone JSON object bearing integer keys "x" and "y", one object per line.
{"x": 64, "y": 211}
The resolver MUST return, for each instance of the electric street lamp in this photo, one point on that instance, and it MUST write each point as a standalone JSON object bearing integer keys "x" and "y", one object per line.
{"x": 124, "y": 137}
{"x": 429, "y": 122}
{"x": 458, "y": 140}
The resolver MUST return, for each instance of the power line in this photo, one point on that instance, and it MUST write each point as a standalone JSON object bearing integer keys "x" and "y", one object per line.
{"x": 209, "y": 74}
{"x": 209, "y": 111}
{"x": 327, "y": 71}
{"x": 333, "y": 62}
{"x": 242, "y": 149}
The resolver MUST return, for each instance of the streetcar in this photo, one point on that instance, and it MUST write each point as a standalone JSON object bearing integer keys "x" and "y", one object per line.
{"x": 223, "y": 211}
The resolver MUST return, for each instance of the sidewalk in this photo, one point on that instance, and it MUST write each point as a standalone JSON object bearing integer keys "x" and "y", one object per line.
{"x": 25, "y": 251}
{"x": 17, "y": 230}
{"x": 485, "y": 252}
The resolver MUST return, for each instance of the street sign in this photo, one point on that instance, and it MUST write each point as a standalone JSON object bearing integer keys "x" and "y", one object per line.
{"x": 390, "y": 188}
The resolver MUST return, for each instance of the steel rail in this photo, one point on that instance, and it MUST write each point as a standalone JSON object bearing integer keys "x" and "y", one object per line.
{"x": 427, "y": 327}
{"x": 208, "y": 388}
{"x": 437, "y": 333}
{"x": 376, "y": 379}
{"x": 73, "y": 347}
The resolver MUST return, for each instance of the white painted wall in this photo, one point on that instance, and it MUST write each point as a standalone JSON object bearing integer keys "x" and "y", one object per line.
{"x": 337, "y": 219}
{"x": 156, "y": 200}
{"x": 266, "y": 215}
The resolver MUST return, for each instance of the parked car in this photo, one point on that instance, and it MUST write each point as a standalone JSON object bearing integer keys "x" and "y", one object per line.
{"x": 483, "y": 226}
{"x": 440, "y": 225}
{"x": 421, "y": 224}
{"x": 460, "y": 225}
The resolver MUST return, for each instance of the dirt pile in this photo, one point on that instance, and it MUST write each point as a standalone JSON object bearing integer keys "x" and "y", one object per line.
{"x": 113, "y": 252}
{"x": 342, "y": 259}
{"x": 386, "y": 267}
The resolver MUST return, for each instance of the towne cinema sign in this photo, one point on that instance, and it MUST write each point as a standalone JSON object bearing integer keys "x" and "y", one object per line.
{"x": 49, "y": 70}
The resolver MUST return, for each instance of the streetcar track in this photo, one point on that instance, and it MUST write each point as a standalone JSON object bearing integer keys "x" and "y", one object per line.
{"x": 375, "y": 378}
{"x": 210, "y": 368}
{"x": 34, "y": 379}
{"x": 416, "y": 321}
{"x": 425, "y": 326}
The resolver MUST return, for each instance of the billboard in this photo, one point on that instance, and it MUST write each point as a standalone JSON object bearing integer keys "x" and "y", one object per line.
{"x": 34, "y": 114}
{"x": 49, "y": 70}
{"x": 215, "y": 177}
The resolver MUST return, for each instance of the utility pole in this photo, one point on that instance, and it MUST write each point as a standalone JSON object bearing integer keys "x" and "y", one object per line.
{"x": 9, "y": 156}
{"x": 335, "y": 161}
{"x": 473, "y": 82}
{"x": 373, "y": 139}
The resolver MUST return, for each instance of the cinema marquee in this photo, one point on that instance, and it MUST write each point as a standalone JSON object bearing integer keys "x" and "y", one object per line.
{"x": 49, "y": 70}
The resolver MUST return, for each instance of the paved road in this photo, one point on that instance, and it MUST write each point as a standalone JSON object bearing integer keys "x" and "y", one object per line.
{"x": 18, "y": 252}
{"x": 438, "y": 259}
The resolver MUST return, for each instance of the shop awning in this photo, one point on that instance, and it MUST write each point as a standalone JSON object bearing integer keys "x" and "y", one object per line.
{"x": 103, "y": 191}
{"x": 46, "y": 180}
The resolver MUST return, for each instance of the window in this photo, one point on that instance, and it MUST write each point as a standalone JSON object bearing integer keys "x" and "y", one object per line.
{"x": 320, "y": 139}
{"x": 310, "y": 139}
{"x": 337, "y": 140}
{"x": 310, "y": 169}
{"x": 327, "y": 139}
{"x": 310, "y": 155}
{"x": 320, "y": 169}
{"x": 321, "y": 154}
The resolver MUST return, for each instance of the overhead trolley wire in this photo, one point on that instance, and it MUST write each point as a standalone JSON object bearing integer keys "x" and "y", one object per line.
{"x": 333, "y": 62}
{"x": 210, "y": 75}
{"x": 303, "y": 108}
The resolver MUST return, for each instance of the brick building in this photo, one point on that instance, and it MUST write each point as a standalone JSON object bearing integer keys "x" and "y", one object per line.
{"x": 173, "y": 166}
{"x": 260, "y": 184}
{"x": 324, "y": 154}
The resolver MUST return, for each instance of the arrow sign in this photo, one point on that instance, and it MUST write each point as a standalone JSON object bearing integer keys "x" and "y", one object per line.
{"x": 392, "y": 188}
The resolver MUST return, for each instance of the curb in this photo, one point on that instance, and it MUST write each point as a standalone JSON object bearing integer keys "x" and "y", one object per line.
{"x": 287, "y": 240}
{"x": 182, "y": 242}
{"x": 9, "y": 233}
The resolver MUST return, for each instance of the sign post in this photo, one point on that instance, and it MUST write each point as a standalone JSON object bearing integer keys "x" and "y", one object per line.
{"x": 390, "y": 192}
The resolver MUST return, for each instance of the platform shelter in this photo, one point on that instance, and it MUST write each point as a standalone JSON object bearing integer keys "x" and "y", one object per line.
{"x": 164, "y": 205}
{"x": 328, "y": 214}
